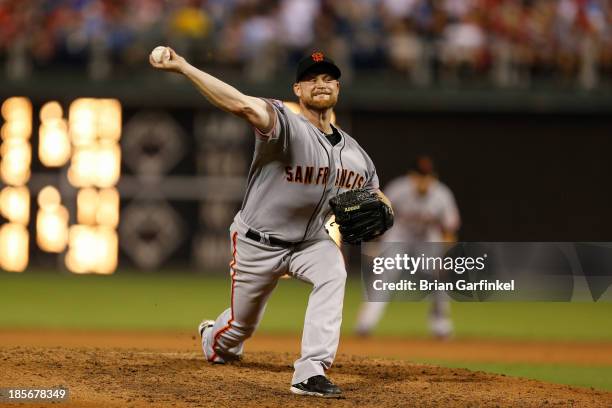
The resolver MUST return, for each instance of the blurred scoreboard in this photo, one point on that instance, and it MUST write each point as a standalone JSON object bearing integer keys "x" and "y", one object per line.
{"x": 89, "y": 185}
{"x": 84, "y": 145}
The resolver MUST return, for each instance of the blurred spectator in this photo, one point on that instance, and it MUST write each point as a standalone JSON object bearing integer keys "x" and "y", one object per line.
{"x": 463, "y": 46}
{"x": 260, "y": 35}
{"x": 512, "y": 42}
{"x": 297, "y": 21}
{"x": 407, "y": 52}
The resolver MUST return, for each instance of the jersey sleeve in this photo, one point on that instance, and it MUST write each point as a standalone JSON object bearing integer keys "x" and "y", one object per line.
{"x": 372, "y": 183}
{"x": 280, "y": 131}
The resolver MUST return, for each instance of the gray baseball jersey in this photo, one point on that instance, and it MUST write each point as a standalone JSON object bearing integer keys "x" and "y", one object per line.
{"x": 295, "y": 171}
{"x": 421, "y": 218}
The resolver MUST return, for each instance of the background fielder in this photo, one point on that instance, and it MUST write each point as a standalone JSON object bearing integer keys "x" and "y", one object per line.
{"x": 425, "y": 211}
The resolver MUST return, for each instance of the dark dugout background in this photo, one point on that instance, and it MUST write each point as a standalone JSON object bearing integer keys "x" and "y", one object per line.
{"x": 515, "y": 176}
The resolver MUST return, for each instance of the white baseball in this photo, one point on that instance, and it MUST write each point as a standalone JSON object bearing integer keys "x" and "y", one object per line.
{"x": 160, "y": 54}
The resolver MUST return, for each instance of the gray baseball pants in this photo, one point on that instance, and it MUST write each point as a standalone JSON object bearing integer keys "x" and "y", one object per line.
{"x": 255, "y": 269}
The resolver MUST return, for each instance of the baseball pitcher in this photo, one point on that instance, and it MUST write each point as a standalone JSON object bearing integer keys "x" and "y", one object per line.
{"x": 300, "y": 162}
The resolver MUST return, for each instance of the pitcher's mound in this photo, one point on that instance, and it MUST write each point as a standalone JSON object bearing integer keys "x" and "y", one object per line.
{"x": 144, "y": 378}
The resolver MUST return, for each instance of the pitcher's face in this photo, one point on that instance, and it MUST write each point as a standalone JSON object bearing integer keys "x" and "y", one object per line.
{"x": 318, "y": 91}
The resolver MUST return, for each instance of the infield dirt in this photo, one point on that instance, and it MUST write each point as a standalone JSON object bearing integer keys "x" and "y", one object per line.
{"x": 104, "y": 369}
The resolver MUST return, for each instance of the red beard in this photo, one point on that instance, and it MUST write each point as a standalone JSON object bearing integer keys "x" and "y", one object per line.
{"x": 320, "y": 104}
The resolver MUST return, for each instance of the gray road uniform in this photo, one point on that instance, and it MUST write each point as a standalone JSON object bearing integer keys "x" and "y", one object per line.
{"x": 418, "y": 219}
{"x": 294, "y": 173}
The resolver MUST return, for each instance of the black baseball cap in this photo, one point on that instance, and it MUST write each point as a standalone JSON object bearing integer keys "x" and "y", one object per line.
{"x": 424, "y": 165}
{"x": 318, "y": 63}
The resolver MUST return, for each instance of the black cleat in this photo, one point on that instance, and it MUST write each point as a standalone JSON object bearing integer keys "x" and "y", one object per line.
{"x": 318, "y": 386}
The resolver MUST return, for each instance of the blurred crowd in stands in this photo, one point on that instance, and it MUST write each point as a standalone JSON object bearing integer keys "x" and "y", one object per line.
{"x": 507, "y": 43}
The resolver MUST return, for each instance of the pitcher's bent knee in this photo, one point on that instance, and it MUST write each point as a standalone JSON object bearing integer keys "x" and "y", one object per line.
{"x": 232, "y": 336}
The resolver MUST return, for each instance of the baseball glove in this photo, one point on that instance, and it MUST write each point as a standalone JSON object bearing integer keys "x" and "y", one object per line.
{"x": 361, "y": 215}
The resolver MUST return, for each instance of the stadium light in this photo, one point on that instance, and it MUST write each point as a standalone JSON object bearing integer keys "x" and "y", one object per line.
{"x": 82, "y": 119}
{"x": 82, "y": 169}
{"x": 17, "y": 108}
{"x": 51, "y": 110}
{"x": 16, "y": 130}
{"x": 17, "y": 115}
{"x": 14, "y": 240}
{"x": 15, "y": 204}
{"x": 95, "y": 128}
{"x": 49, "y": 198}
{"x": 108, "y": 164}
{"x": 52, "y": 229}
{"x": 82, "y": 249}
{"x": 16, "y": 158}
{"x": 87, "y": 206}
{"x": 109, "y": 119}
{"x": 51, "y": 221}
{"x": 15, "y": 151}
{"x": 89, "y": 139}
{"x": 53, "y": 144}
{"x": 108, "y": 248}
{"x": 95, "y": 168}
{"x": 92, "y": 249}
{"x": 107, "y": 213}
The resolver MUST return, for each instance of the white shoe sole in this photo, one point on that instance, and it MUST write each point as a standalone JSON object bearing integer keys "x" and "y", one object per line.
{"x": 297, "y": 391}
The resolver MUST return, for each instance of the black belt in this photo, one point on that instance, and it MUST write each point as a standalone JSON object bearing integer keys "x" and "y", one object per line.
{"x": 256, "y": 236}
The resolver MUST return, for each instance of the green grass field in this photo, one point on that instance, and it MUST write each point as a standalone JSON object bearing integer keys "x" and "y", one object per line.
{"x": 599, "y": 377}
{"x": 177, "y": 301}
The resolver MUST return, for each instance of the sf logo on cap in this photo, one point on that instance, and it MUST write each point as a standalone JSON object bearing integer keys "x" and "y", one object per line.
{"x": 317, "y": 56}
